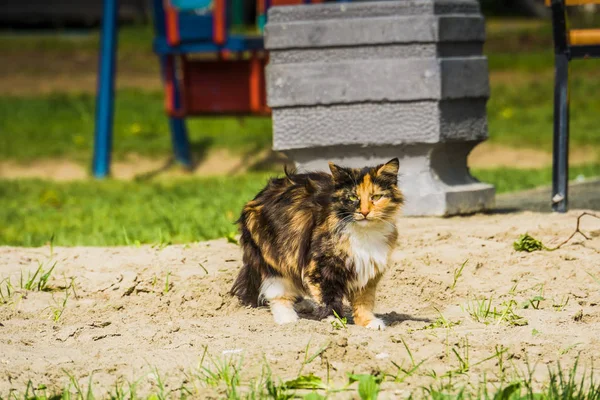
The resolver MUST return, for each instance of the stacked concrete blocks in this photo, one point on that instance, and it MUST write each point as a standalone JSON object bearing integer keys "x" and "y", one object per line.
{"x": 359, "y": 83}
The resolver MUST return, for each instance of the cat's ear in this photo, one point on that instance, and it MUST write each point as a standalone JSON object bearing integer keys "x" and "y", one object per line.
{"x": 389, "y": 168}
{"x": 339, "y": 173}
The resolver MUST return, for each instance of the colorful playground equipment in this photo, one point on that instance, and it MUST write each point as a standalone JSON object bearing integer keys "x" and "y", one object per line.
{"x": 568, "y": 44}
{"x": 207, "y": 68}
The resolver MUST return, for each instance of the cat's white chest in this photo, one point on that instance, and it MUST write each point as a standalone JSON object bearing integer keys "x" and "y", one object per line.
{"x": 369, "y": 247}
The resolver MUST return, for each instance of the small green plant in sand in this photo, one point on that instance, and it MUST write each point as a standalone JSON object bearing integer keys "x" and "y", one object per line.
{"x": 338, "y": 322}
{"x": 568, "y": 348}
{"x": 528, "y": 243}
{"x": 482, "y": 311}
{"x": 440, "y": 322}
{"x": 457, "y": 274}
{"x": 59, "y": 306}
{"x": 534, "y": 302}
{"x": 7, "y": 291}
{"x": 39, "y": 280}
{"x": 559, "y": 305}
{"x": 167, "y": 284}
{"x": 403, "y": 373}
{"x": 596, "y": 279}
{"x": 308, "y": 359}
{"x": 73, "y": 390}
{"x": 368, "y": 385}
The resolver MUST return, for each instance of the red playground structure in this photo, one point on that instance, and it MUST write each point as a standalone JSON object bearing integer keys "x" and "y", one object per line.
{"x": 206, "y": 67}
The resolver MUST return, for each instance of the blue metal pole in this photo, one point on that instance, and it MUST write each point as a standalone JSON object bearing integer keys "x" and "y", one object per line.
{"x": 105, "y": 90}
{"x": 179, "y": 137}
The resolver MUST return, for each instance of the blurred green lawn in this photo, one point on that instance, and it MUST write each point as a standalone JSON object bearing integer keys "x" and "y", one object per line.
{"x": 60, "y": 125}
{"x": 110, "y": 213}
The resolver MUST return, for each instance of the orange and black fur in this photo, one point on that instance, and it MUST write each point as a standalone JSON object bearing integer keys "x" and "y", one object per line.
{"x": 326, "y": 237}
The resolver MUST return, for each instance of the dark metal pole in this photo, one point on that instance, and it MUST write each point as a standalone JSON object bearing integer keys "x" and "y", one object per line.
{"x": 560, "y": 152}
{"x": 560, "y": 161}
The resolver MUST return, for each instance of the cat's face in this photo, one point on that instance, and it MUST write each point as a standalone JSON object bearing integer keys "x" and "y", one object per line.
{"x": 365, "y": 195}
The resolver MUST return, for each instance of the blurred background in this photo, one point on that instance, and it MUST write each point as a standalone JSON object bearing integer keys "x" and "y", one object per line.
{"x": 48, "y": 67}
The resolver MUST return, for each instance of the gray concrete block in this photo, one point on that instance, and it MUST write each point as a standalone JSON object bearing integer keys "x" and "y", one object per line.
{"x": 380, "y": 30}
{"x": 339, "y": 54}
{"x": 367, "y": 124}
{"x": 360, "y": 83}
{"x": 353, "y": 81}
{"x": 441, "y": 7}
{"x": 372, "y": 9}
{"x": 464, "y": 77}
{"x": 376, "y": 124}
{"x": 376, "y": 80}
{"x": 463, "y": 119}
{"x": 468, "y": 49}
{"x": 434, "y": 182}
{"x": 461, "y": 28}
{"x": 379, "y": 52}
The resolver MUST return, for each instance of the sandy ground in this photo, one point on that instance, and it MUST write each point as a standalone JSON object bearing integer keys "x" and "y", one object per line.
{"x": 120, "y": 321}
{"x": 216, "y": 163}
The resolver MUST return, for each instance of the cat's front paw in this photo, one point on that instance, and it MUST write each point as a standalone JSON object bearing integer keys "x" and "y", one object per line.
{"x": 323, "y": 312}
{"x": 328, "y": 311}
{"x": 306, "y": 306}
{"x": 285, "y": 318}
{"x": 283, "y": 313}
{"x": 376, "y": 324}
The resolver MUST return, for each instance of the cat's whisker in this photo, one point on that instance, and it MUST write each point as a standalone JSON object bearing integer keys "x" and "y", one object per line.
{"x": 387, "y": 222}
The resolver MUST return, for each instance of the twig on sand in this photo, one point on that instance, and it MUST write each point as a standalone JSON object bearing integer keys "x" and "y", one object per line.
{"x": 577, "y": 230}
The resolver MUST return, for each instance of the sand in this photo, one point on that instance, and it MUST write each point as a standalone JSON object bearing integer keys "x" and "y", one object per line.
{"x": 125, "y": 322}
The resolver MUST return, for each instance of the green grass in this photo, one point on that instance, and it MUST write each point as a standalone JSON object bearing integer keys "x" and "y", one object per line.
{"x": 514, "y": 179}
{"x": 108, "y": 213}
{"x": 521, "y": 114}
{"x": 120, "y": 213}
{"x": 62, "y": 125}
{"x": 226, "y": 378}
{"x": 520, "y": 109}
{"x": 136, "y": 38}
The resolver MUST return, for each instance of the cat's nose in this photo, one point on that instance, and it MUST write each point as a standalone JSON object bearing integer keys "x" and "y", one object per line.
{"x": 364, "y": 212}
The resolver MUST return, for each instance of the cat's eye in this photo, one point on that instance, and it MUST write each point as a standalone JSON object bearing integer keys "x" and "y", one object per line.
{"x": 376, "y": 197}
{"x": 352, "y": 197}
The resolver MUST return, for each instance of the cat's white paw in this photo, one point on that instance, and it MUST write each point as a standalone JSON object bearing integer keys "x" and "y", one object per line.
{"x": 376, "y": 324}
{"x": 283, "y": 314}
{"x": 286, "y": 318}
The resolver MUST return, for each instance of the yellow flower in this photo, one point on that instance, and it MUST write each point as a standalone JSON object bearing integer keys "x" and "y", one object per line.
{"x": 79, "y": 140}
{"x": 507, "y": 113}
{"x": 135, "y": 128}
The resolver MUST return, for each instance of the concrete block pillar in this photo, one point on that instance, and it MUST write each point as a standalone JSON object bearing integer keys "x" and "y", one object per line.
{"x": 359, "y": 83}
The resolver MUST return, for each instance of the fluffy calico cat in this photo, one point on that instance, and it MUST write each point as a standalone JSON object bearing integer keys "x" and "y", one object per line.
{"x": 326, "y": 237}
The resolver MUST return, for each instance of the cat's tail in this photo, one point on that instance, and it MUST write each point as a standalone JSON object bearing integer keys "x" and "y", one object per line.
{"x": 247, "y": 284}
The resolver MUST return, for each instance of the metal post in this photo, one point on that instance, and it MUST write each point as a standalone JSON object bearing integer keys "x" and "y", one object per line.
{"x": 560, "y": 154}
{"x": 105, "y": 90}
{"x": 179, "y": 137}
